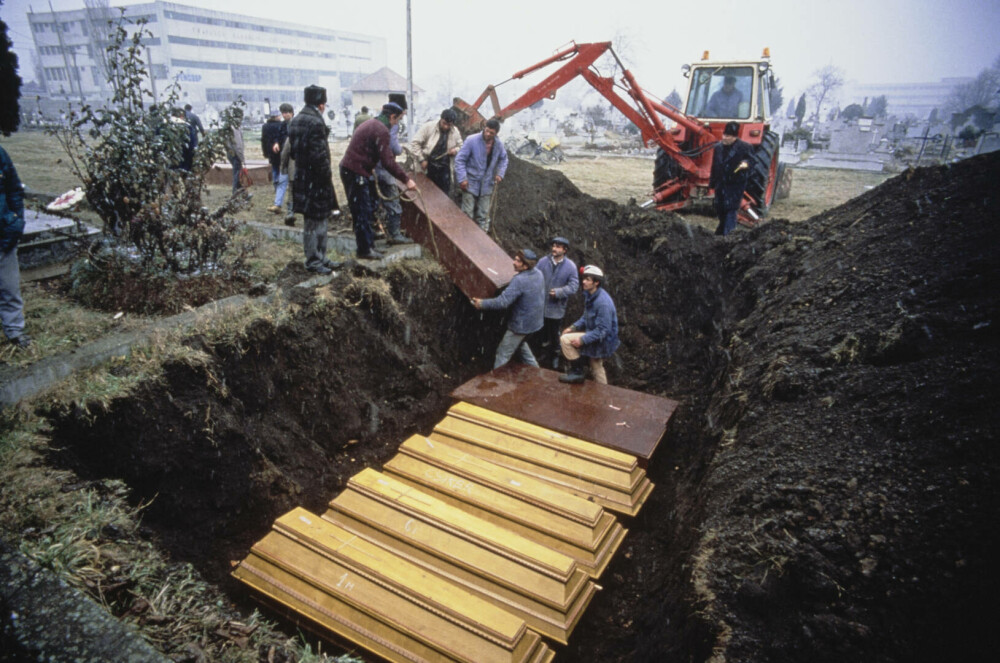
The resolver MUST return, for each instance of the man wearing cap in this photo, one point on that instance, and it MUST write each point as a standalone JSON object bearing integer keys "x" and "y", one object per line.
{"x": 389, "y": 200}
{"x": 594, "y": 337}
{"x": 370, "y": 145}
{"x": 561, "y": 280}
{"x": 525, "y": 297}
{"x": 272, "y": 137}
{"x": 479, "y": 165}
{"x": 312, "y": 191}
{"x": 730, "y": 172}
{"x": 435, "y": 146}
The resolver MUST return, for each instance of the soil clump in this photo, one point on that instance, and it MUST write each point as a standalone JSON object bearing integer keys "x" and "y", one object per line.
{"x": 824, "y": 492}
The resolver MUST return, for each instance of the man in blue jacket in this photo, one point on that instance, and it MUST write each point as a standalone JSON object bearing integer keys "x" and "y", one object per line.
{"x": 594, "y": 337}
{"x": 525, "y": 297}
{"x": 11, "y": 227}
{"x": 561, "y": 280}
{"x": 479, "y": 165}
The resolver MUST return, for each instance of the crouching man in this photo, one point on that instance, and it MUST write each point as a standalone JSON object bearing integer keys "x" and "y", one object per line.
{"x": 525, "y": 297}
{"x": 593, "y": 337}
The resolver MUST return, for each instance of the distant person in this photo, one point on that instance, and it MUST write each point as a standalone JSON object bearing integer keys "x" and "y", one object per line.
{"x": 369, "y": 146}
{"x": 234, "y": 149}
{"x": 435, "y": 145}
{"x": 272, "y": 138}
{"x": 195, "y": 122}
{"x": 726, "y": 101}
{"x": 730, "y": 172}
{"x": 389, "y": 198}
{"x": 362, "y": 117}
{"x": 479, "y": 166}
{"x": 286, "y": 164}
{"x": 11, "y": 228}
{"x": 525, "y": 297}
{"x": 594, "y": 337}
{"x": 312, "y": 190}
{"x": 561, "y": 281}
{"x": 178, "y": 117}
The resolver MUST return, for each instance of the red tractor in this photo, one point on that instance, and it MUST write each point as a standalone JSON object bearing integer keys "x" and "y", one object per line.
{"x": 720, "y": 92}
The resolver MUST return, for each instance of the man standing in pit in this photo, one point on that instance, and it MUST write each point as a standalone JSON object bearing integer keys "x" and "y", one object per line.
{"x": 594, "y": 337}
{"x": 435, "y": 146}
{"x": 561, "y": 280}
{"x": 370, "y": 145}
{"x": 525, "y": 297}
{"x": 312, "y": 191}
{"x": 730, "y": 172}
{"x": 480, "y": 164}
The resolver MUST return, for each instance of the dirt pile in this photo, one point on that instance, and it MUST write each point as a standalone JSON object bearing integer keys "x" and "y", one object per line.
{"x": 825, "y": 490}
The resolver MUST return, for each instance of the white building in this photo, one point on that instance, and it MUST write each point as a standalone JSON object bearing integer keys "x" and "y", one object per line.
{"x": 215, "y": 56}
{"x": 904, "y": 99}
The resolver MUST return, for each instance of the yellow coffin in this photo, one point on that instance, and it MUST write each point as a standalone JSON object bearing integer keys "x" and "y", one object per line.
{"x": 542, "y": 586}
{"x": 366, "y": 594}
{"x": 611, "y": 478}
{"x": 535, "y": 509}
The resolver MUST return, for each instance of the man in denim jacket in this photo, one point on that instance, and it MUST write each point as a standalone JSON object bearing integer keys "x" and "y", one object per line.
{"x": 594, "y": 337}
{"x": 480, "y": 164}
{"x": 11, "y": 227}
{"x": 561, "y": 281}
{"x": 525, "y": 297}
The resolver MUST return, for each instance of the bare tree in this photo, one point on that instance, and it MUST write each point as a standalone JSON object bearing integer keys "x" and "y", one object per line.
{"x": 674, "y": 98}
{"x": 982, "y": 91}
{"x": 829, "y": 79}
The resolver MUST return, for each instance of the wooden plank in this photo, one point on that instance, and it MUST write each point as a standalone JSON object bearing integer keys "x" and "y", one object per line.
{"x": 622, "y": 419}
{"x": 534, "y": 509}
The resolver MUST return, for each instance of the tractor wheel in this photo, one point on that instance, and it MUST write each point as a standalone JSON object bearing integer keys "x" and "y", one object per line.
{"x": 665, "y": 169}
{"x": 548, "y": 157}
{"x": 784, "y": 188}
{"x": 525, "y": 150}
{"x": 764, "y": 172}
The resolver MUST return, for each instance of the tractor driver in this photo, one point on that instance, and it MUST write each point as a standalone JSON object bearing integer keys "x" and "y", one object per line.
{"x": 725, "y": 102}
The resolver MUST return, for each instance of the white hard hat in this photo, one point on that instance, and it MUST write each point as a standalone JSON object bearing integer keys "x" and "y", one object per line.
{"x": 593, "y": 271}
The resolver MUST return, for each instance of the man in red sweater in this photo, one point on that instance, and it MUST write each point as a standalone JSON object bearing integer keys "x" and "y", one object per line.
{"x": 370, "y": 145}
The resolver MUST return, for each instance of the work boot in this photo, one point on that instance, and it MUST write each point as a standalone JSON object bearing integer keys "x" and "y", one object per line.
{"x": 398, "y": 238}
{"x": 577, "y": 371}
{"x": 289, "y": 219}
{"x": 274, "y": 209}
{"x": 371, "y": 255}
{"x": 320, "y": 269}
{"x": 22, "y": 342}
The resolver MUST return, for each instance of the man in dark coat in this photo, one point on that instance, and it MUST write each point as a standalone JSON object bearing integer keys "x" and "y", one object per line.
{"x": 313, "y": 194}
{"x": 272, "y": 137}
{"x": 730, "y": 171}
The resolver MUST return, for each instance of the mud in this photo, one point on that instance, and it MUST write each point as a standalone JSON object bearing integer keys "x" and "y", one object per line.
{"x": 825, "y": 491}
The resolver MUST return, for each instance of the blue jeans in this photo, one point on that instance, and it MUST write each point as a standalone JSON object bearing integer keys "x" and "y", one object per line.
{"x": 237, "y": 167}
{"x": 511, "y": 343}
{"x": 11, "y": 304}
{"x": 280, "y": 185}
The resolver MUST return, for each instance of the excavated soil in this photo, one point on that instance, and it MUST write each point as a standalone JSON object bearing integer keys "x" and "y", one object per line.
{"x": 826, "y": 490}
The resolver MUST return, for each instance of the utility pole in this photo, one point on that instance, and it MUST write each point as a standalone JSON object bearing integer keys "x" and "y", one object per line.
{"x": 409, "y": 67}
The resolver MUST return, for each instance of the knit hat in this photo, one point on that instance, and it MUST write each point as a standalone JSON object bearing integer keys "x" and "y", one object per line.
{"x": 399, "y": 99}
{"x": 449, "y": 116}
{"x": 732, "y": 129}
{"x": 315, "y": 95}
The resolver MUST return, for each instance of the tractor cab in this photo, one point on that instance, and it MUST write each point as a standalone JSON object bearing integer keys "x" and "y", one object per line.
{"x": 726, "y": 91}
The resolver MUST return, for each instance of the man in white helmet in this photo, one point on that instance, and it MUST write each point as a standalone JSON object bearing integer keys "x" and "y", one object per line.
{"x": 593, "y": 337}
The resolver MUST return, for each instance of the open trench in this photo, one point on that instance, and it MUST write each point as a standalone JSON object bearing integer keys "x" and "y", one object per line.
{"x": 228, "y": 441}
{"x": 821, "y": 489}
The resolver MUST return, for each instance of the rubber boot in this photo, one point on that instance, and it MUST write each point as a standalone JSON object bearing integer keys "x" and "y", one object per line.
{"x": 577, "y": 371}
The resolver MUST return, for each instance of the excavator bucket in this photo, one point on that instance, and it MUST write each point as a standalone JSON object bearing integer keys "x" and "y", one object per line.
{"x": 476, "y": 264}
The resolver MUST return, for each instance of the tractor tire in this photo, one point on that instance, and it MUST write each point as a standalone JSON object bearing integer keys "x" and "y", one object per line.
{"x": 665, "y": 168}
{"x": 784, "y": 188}
{"x": 764, "y": 172}
{"x": 526, "y": 150}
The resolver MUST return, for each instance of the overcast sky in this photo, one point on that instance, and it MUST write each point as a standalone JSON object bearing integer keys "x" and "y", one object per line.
{"x": 872, "y": 41}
